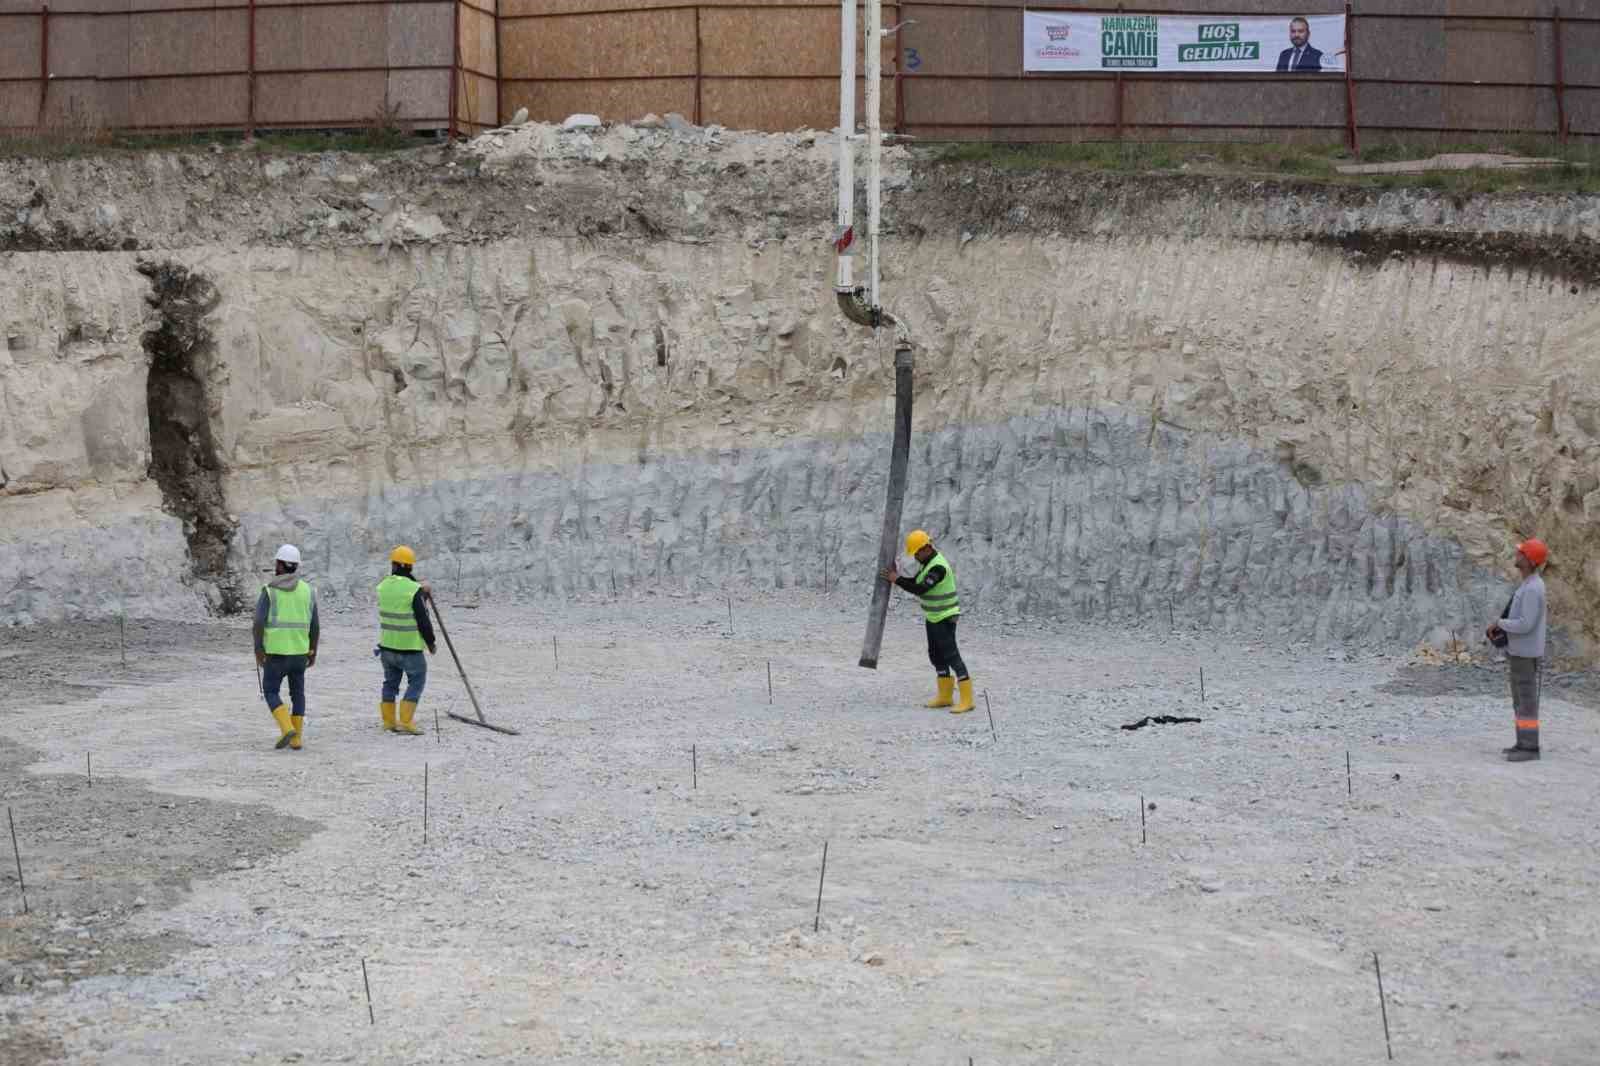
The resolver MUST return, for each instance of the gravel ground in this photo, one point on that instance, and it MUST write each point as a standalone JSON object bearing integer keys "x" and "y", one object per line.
{"x": 580, "y": 897}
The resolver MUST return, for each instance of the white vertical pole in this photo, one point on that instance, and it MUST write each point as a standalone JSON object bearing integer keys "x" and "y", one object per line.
{"x": 874, "y": 64}
{"x": 847, "y": 148}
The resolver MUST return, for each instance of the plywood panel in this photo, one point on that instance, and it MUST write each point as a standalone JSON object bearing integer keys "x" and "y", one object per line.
{"x": 59, "y": 8}
{"x": 772, "y": 42}
{"x": 780, "y": 104}
{"x": 422, "y": 95}
{"x": 418, "y": 35}
{"x": 961, "y": 102}
{"x": 511, "y": 8}
{"x": 477, "y": 41}
{"x": 477, "y": 102}
{"x": 19, "y": 47}
{"x": 957, "y": 40}
{"x": 19, "y": 105}
{"x": 1581, "y": 43}
{"x": 78, "y": 106}
{"x": 320, "y": 99}
{"x": 1492, "y": 108}
{"x": 188, "y": 42}
{"x": 165, "y": 102}
{"x": 650, "y": 43}
{"x": 313, "y": 38}
{"x": 87, "y": 46}
{"x": 1235, "y": 103}
{"x": 615, "y": 101}
{"x": 1418, "y": 106}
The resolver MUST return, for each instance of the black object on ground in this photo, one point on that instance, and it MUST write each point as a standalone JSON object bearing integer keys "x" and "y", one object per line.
{"x": 1160, "y": 719}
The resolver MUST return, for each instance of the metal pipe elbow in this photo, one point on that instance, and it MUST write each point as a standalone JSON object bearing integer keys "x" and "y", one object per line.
{"x": 854, "y": 306}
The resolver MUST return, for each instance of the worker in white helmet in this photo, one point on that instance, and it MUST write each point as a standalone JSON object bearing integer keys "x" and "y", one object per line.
{"x": 286, "y": 635}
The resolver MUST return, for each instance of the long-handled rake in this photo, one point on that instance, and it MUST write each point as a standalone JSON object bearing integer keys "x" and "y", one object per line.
{"x": 480, "y": 720}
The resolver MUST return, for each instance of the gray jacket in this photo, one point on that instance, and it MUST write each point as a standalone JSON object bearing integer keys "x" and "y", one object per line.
{"x": 1525, "y": 622}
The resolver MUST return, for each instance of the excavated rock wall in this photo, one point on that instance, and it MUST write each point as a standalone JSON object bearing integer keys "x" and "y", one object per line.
{"x": 1283, "y": 434}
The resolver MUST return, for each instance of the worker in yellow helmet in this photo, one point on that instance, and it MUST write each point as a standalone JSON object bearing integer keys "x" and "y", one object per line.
{"x": 403, "y": 631}
{"x": 285, "y": 632}
{"x": 935, "y": 585}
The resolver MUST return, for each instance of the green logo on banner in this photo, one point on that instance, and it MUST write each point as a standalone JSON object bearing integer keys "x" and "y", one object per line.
{"x": 1128, "y": 41}
{"x": 1219, "y": 43}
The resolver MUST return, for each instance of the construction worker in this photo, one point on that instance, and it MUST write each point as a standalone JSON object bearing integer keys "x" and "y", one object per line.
{"x": 403, "y": 631}
{"x": 1520, "y": 631}
{"x": 286, "y": 635}
{"x": 935, "y": 586}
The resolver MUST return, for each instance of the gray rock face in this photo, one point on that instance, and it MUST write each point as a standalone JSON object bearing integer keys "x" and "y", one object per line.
{"x": 1281, "y": 433}
{"x": 1072, "y": 513}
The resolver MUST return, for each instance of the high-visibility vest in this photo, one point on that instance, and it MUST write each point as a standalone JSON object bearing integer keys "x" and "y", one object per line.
{"x": 288, "y": 628}
{"x": 397, "y": 625}
{"x": 940, "y": 602}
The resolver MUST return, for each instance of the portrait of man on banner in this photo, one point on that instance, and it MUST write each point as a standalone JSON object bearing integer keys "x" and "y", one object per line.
{"x": 1300, "y": 56}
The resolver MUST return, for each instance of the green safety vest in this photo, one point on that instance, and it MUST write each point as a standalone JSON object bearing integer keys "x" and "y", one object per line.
{"x": 288, "y": 628}
{"x": 397, "y": 625}
{"x": 940, "y": 602}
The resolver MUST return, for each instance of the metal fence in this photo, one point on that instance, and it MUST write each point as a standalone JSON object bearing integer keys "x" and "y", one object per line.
{"x": 246, "y": 64}
{"x": 958, "y": 72}
{"x": 1450, "y": 68}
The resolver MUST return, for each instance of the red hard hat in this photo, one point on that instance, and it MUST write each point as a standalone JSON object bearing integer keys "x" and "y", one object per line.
{"x": 1534, "y": 551}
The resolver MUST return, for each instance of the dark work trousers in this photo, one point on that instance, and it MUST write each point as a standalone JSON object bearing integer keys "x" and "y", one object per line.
{"x": 281, "y": 668}
{"x": 942, "y": 650}
{"x": 1525, "y": 686}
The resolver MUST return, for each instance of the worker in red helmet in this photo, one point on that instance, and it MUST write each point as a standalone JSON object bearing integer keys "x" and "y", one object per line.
{"x": 1520, "y": 630}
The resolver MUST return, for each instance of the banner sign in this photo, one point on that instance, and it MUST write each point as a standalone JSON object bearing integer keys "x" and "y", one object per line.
{"x": 1189, "y": 44}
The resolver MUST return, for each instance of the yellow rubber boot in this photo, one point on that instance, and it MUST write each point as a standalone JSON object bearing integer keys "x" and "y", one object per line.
{"x": 299, "y": 721}
{"x": 407, "y": 709}
{"x": 387, "y": 710}
{"x": 947, "y": 688}
{"x": 965, "y": 685}
{"x": 280, "y": 714}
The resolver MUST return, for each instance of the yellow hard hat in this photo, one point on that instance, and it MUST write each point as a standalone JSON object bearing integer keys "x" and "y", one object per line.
{"x": 404, "y": 556}
{"x": 916, "y": 540}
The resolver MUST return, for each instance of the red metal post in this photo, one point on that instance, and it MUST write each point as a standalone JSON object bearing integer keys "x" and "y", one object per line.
{"x": 44, "y": 60}
{"x": 899, "y": 83}
{"x": 250, "y": 118}
{"x": 697, "y": 70}
{"x": 1561, "y": 85}
{"x": 499, "y": 72}
{"x": 1349, "y": 84}
{"x": 455, "y": 63}
{"x": 1118, "y": 103}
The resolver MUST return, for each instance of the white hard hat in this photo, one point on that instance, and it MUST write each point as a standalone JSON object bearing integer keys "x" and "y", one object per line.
{"x": 288, "y": 554}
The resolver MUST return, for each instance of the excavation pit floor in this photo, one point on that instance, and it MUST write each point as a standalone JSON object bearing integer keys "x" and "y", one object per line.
{"x": 634, "y": 878}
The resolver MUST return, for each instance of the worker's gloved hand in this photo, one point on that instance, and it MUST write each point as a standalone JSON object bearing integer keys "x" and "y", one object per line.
{"x": 427, "y": 589}
{"x": 261, "y": 658}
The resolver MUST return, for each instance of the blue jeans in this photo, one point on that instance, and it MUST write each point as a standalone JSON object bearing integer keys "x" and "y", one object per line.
{"x": 413, "y": 664}
{"x": 280, "y": 668}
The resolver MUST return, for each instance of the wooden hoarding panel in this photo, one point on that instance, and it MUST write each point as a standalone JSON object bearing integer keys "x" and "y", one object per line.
{"x": 418, "y": 35}
{"x": 613, "y": 101}
{"x": 19, "y": 46}
{"x": 649, "y": 43}
{"x": 161, "y": 103}
{"x": 423, "y": 97}
{"x": 319, "y": 99}
{"x": 186, "y": 42}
